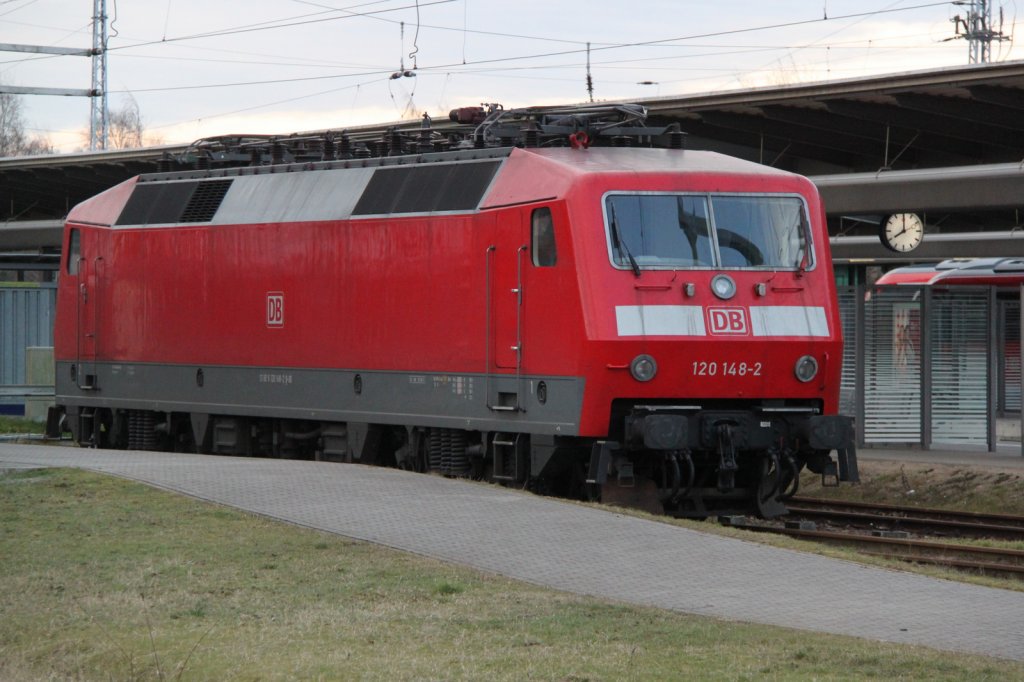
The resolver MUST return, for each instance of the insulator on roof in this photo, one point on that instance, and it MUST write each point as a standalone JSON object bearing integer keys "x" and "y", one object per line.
{"x": 165, "y": 163}
{"x": 676, "y": 137}
{"x": 531, "y": 135}
{"x": 395, "y": 143}
{"x": 424, "y": 144}
{"x": 314, "y": 148}
{"x": 328, "y": 153}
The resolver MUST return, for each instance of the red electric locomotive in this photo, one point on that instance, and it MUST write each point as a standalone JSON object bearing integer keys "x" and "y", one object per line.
{"x": 655, "y": 326}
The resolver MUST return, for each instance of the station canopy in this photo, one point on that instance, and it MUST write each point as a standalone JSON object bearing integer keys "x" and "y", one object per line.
{"x": 945, "y": 143}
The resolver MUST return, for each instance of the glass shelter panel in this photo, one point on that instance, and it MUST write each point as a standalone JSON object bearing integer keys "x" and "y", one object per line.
{"x": 848, "y": 386}
{"x": 26, "y": 319}
{"x": 961, "y": 341}
{"x": 892, "y": 371}
{"x": 1009, "y": 357}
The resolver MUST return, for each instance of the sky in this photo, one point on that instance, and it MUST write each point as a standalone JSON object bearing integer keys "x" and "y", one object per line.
{"x": 201, "y": 68}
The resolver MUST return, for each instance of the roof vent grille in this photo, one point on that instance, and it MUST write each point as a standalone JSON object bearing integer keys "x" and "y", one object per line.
{"x": 205, "y": 201}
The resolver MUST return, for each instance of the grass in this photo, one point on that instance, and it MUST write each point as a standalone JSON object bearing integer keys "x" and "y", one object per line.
{"x": 20, "y": 425}
{"x": 105, "y": 579}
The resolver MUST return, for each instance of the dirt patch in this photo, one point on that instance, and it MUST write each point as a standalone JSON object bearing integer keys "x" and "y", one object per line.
{"x": 989, "y": 489}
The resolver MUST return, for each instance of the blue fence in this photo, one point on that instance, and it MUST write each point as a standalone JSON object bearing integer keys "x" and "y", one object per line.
{"x": 26, "y": 319}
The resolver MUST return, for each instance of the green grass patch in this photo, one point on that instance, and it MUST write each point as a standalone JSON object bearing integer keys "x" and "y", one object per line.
{"x": 20, "y": 425}
{"x": 106, "y": 579}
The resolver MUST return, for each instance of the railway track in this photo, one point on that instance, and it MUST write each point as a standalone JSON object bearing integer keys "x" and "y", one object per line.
{"x": 885, "y": 531}
{"x": 931, "y": 522}
{"x": 987, "y": 560}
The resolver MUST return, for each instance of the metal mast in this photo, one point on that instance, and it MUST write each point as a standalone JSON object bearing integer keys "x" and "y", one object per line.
{"x": 98, "y": 124}
{"x": 97, "y": 93}
{"x": 977, "y": 29}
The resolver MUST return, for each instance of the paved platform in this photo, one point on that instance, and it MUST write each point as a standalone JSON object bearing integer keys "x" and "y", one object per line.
{"x": 1008, "y": 456}
{"x": 580, "y": 549}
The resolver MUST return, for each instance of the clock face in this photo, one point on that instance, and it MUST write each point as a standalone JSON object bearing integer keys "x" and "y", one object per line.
{"x": 902, "y": 232}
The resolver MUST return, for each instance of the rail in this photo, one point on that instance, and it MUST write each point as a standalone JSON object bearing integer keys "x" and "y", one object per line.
{"x": 988, "y": 560}
{"x": 936, "y": 522}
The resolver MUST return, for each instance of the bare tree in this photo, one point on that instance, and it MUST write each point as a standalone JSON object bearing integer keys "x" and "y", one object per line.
{"x": 13, "y": 139}
{"x": 125, "y": 129}
{"x": 12, "y": 125}
{"x": 37, "y": 146}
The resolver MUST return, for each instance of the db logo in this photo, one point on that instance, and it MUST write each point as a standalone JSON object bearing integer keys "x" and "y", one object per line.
{"x": 727, "y": 320}
{"x": 275, "y": 309}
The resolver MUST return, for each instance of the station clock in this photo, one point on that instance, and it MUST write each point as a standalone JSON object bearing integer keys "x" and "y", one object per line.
{"x": 901, "y": 232}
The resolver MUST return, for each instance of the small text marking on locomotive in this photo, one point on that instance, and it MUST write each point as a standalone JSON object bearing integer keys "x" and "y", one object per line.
{"x": 703, "y": 368}
{"x": 276, "y": 378}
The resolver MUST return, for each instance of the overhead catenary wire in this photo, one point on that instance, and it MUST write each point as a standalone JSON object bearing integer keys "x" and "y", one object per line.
{"x": 492, "y": 73}
{"x": 666, "y": 42}
{"x": 288, "y": 100}
{"x": 829, "y": 35}
{"x": 16, "y": 9}
{"x": 725, "y": 50}
{"x": 498, "y": 60}
{"x": 498, "y": 67}
{"x": 266, "y": 25}
{"x": 475, "y": 74}
{"x": 463, "y": 29}
{"x": 416, "y": 37}
{"x": 271, "y": 26}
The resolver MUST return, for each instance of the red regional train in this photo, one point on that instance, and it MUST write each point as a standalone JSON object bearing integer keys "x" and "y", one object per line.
{"x": 649, "y": 326}
{"x": 1002, "y": 273}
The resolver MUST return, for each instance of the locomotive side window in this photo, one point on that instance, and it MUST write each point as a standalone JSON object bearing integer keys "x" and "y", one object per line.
{"x": 543, "y": 238}
{"x": 660, "y": 230}
{"x": 74, "y": 252}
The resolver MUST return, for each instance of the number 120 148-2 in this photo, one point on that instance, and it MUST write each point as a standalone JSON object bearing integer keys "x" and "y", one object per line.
{"x": 727, "y": 369}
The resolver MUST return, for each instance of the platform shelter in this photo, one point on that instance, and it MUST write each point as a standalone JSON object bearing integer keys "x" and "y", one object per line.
{"x": 932, "y": 361}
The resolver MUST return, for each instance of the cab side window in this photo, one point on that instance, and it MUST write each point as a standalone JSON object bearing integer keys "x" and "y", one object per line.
{"x": 74, "y": 252}
{"x": 542, "y": 239}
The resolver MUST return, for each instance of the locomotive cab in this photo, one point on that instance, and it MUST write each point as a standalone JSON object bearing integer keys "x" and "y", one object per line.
{"x": 715, "y": 337}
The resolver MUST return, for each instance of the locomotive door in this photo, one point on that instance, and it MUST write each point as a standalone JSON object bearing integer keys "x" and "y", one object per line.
{"x": 507, "y": 256}
{"x": 89, "y": 271}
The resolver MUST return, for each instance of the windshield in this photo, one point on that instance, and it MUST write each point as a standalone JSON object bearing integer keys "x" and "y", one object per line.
{"x": 706, "y": 230}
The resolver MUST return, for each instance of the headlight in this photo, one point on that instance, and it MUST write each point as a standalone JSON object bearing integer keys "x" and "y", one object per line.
{"x": 806, "y": 368}
{"x": 643, "y": 368}
{"x": 723, "y": 287}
